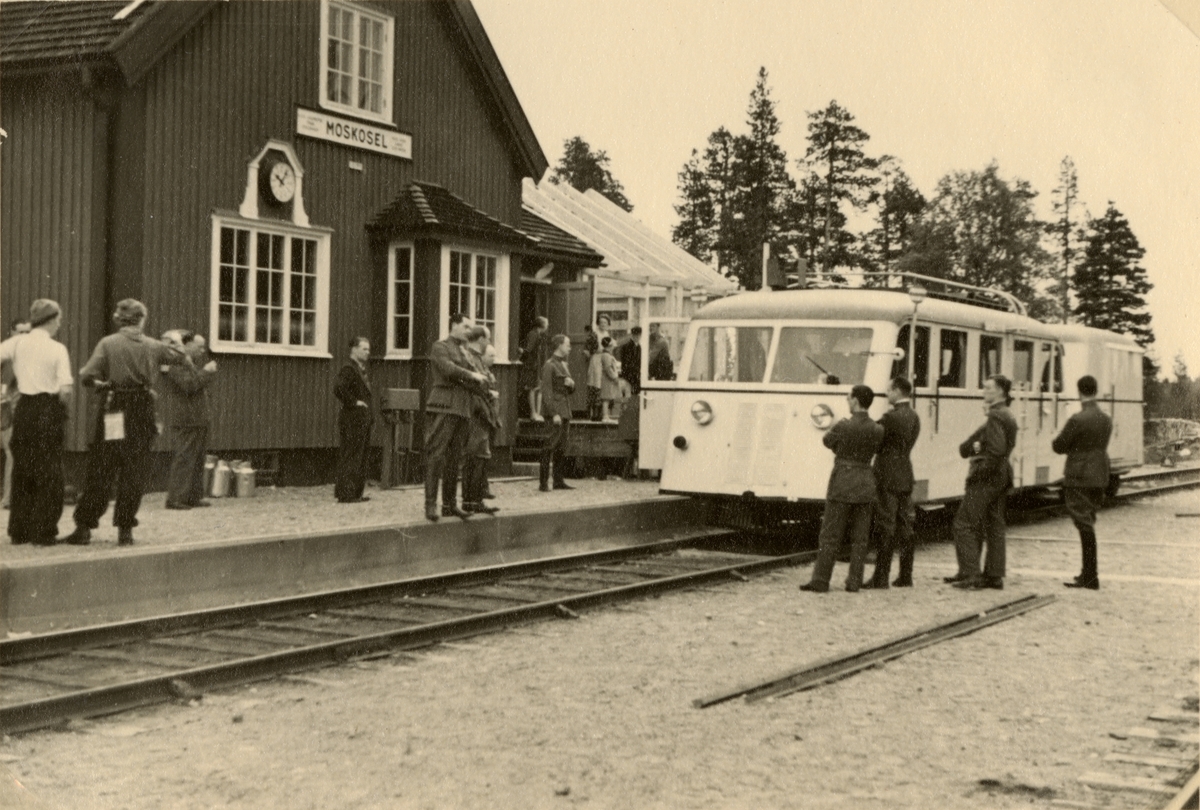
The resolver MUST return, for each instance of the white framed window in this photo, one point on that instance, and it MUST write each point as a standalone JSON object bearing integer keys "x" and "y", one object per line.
{"x": 400, "y": 300}
{"x": 476, "y": 283}
{"x": 357, "y": 56}
{"x": 270, "y": 288}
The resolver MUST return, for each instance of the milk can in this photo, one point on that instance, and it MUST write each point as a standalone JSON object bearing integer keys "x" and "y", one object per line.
{"x": 221, "y": 480}
{"x": 210, "y": 464}
{"x": 245, "y": 475}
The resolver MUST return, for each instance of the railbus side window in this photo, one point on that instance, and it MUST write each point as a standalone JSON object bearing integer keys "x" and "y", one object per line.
{"x": 953, "y": 367}
{"x": 920, "y": 356}
{"x": 822, "y": 355}
{"x": 991, "y": 351}
{"x": 1023, "y": 365}
{"x": 730, "y": 354}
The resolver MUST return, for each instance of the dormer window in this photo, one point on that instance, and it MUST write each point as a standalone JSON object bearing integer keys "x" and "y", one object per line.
{"x": 356, "y": 61}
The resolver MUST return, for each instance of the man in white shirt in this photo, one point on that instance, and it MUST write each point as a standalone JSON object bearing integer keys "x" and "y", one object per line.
{"x": 43, "y": 371}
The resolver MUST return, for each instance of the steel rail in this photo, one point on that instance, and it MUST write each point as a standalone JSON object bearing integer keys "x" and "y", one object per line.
{"x": 16, "y": 650}
{"x": 191, "y": 682}
{"x": 1188, "y": 792}
{"x": 833, "y": 669}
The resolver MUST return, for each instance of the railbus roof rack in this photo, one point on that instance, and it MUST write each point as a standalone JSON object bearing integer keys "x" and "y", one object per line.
{"x": 941, "y": 288}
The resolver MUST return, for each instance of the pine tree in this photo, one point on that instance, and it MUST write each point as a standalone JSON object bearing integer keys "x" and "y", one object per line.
{"x": 1066, "y": 230}
{"x": 707, "y": 184}
{"x": 835, "y": 154}
{"x": 1110, "y": 285}
{"x": 582, "y": 169}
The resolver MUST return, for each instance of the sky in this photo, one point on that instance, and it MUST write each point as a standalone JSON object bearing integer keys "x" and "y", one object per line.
{"x": 943, "y": 86}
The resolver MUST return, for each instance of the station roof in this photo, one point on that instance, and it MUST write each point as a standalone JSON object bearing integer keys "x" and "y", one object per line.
{"x": 427, "y": 208}
{"x": 632, "y": 252}
{"x": 842, "y": 304}
{"x": 554, "y": 242}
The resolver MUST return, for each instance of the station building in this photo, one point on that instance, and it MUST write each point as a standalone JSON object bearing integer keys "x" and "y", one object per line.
{"x": 281, "y": 177}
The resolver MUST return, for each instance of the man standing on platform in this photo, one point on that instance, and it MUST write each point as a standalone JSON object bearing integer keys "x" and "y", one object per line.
{"x": 894, "y": 480}
{"x": 43, "y": 371}
{"x": 851, "y": 493}
{"x": 448, "y": 417}
{"x": 353, "y": 390}
{"x": 980, "y": 516}
{"x": 629, "y": 353}
{"x": 122, "y": 369}
{"x": 8, "y": 405}
{"x": 557, "y": 387}
{"x": 185, "y": 414}
{"x": 1084, "y": 439}
{"x": 485, "y": 418}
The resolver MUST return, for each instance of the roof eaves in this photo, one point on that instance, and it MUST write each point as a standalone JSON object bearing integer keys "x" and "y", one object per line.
{"x": 480, "y": 47}
{"x": 153, "y": 33}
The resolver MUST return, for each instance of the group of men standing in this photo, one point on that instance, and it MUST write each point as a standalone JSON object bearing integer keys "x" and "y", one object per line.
{"x": 123, "y": 371}
{"x": 872, "y": 481}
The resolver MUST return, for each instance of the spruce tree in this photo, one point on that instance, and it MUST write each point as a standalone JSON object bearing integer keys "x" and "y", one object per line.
{"x": 898, "y": 204}
{"x": 1110, "y": 284}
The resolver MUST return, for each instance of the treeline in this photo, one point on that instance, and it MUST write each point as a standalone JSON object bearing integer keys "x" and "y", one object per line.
{"x": 975, "y": 226}
{"x": 1178, "y": 399}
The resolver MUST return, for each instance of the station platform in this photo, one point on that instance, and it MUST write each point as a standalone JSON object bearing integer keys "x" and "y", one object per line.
{"x": 290, "y": 541}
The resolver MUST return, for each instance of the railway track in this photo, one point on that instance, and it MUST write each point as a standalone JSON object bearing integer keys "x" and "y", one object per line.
{"x": 48, "y": 679}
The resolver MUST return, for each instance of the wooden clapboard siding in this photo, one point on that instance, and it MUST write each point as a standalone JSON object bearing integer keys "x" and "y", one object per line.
{"x": 52, "y": 230}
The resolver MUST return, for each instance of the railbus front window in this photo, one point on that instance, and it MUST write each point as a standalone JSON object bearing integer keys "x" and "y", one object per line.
{"x": 822, "y": 354}
{"x": 730, "y": 354}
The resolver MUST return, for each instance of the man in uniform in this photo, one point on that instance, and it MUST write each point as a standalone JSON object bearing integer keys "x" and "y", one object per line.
{"x": 557, "y": 387}
{"x": 1084, "y": 439}
{"x": 485, "y": 419}
{"x": 980, "y": 516}
{"x": 894, "y": 480}
{"x": 353, "y": 390}
{"x": 185, "y": 414}
{"x": 43, "y": 371}
{"x": 851, "y": 493}
{"x": 448, "y": 417}
{"x": 122, "y": 369}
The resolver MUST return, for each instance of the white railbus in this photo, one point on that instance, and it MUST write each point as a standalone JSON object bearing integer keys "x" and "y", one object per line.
{"x": 763, "y": 375}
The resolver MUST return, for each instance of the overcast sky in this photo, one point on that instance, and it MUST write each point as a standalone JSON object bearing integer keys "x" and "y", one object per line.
{"x": 944, "y": 86}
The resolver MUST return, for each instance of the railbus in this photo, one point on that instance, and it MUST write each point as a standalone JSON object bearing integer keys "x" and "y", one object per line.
{"x": 764, "y": 374}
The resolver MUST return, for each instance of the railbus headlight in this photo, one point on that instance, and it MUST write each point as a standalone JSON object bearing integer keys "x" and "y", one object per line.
{"x": 822, "y": 417}
{"x": 702, "y": 412}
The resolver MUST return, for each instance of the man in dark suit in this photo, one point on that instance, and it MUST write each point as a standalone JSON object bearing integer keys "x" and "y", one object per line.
{"x": 448, "y": 417}
{"x": 980, "y": 516}
{"x": 629, "y": 353}
{"x": 353, "y": 390}
{"x": 893, "y": 518}
{"x": 557, "y": 387}
{"x": 1084, "y": 439}
{"x": 851, "y": 493}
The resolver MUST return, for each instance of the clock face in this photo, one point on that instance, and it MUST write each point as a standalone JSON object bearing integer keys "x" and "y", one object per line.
{"x": 283, "y": 182}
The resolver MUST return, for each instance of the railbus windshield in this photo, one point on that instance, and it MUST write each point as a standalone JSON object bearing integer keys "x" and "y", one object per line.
{"x": 805, "y": 355}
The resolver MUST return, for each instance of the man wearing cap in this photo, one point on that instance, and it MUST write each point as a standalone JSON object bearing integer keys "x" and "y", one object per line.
{"x": 1084, "y": 440}
{"x": 185, "y": 414}
{"x": 43, "y": 371}
{"x": 448, "y": 417}
{"x": 123, "y": 368}
{"x": 980, "y": 516}
{"x": 851, "y": 494}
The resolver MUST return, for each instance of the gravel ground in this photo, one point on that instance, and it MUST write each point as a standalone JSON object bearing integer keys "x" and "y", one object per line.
{"x": 306, "y": 510}
{"x": 597, "y": 712}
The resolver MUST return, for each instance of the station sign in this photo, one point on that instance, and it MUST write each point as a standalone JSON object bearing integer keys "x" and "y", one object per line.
{"x": 326, "y": 127}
